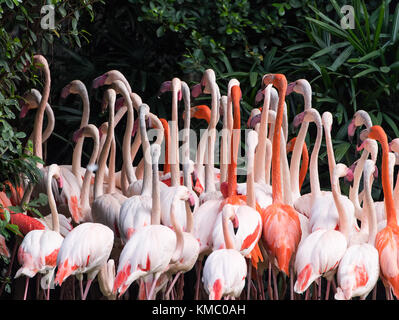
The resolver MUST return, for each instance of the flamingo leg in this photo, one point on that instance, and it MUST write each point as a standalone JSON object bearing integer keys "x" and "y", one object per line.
{"x": 26, "y": 287}
{"x": 269, "y": 281}
{"x": 197, "y": 284}
{"x": 249, "y": 279}
{"x": 275, "y": 284}
{"x": 81, "y": 287}
{"x": 173, "y": 283}
{"x": 181, "y": 287}
{"x": 292, "y": 285}
{"x": 87, "y": 289}
{"x": 374, "y": 296}
{"x": 328, "y": 289}
{"x": 150, "y": 296}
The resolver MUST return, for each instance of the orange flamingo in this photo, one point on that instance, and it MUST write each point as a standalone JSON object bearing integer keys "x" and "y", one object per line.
{"x": 281, "y": 226}
{"x": 387, "y": 240}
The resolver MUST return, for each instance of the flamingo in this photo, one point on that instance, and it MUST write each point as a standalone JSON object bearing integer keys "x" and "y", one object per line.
{"x": 167, "y": 193}
{"x": 152, "y": 248}
{"x": 225, "y": 269}
{"x": 321, "y": 251}
{"x": 387, "y": 240}
{"x": 324, "y": 213}
{"x": 358, "y": 270}
{"x": 369, "y": 147}
{"x": 135, "y": 212}
{"x": 78, "y": 87}
{"x": 281, "y": 225}
{"x": 39, "y": 248}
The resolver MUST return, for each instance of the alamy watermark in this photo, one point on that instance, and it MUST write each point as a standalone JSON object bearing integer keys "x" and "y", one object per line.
{"x": 348, "y": 19}
{"x": 47, "y": 21}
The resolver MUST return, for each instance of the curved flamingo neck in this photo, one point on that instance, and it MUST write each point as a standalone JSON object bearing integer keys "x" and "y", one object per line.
{"x": 369, "y": 203}
{"x": 343, "y": 218}
{"x": 314, "y": 160}
{"x": 235, "y": 142}
{"x": 296, "y": 158}
{"x": 174, "y": 159}
{"x": 156, "y": 200}
{"x": 330, "y": 152}
{"x": 281, "y": 83}
{"x": 38, "y": 125}
{"x": 77, "y": 151}
{"x": 209, "y": 166}
{"x": 260, "y": 155}
{"x": 186, "y": 136}
{"x": 85, "y": 191}
{"x": 147, "y": 182}
{"x": 378, "y": 133}
{"x": 51, "y": 200}
{"x": 228, "y": 214}
{"x": 354, "y": 190}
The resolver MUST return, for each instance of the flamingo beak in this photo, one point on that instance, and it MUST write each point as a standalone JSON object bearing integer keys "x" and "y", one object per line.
{"x": 298, "y": 119}
{"x": 77, "y": 134}
{"x": 254, "y": 120}
{"x": 196, "y": 90}
{"x": 65, "y": 91}
{"x": 259, "y": 96}
{"x": 349, "y": 176}
{"x": 191, "y": 200}
{"x": 24, "y": 111}
{"x": 99, "y": 81}
{"x": 165, "y": 86}
{"x": 351, "y": 129}
{"x": 290, "y": 88}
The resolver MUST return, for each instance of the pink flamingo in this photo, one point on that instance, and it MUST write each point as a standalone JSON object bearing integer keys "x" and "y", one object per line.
{"x": 39, "y": 249}
{"x": 358, "y": 269}
{"x": 153, "y": 248}
{"x": 225, "y": 269}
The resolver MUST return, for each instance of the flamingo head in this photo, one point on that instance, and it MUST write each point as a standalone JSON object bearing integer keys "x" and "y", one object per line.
{"x": 66, "y": 91}
{"x": 201, "y": 112}
{"x": 290, "y": 88}
{"x": 196, "y": 90}
{"x": 30, "y": 100}
{"x": 253, "y": 121}
{"x": 100, "y": 81}
{"x": 24, "y": 109}
{"x": 78, "y": 134}
{"x": 259, "y": 95}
